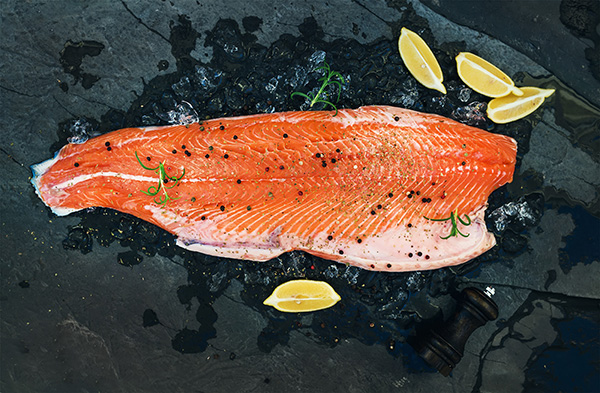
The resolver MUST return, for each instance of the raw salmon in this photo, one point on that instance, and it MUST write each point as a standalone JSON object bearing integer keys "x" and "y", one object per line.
{"x": 363, "y": 187}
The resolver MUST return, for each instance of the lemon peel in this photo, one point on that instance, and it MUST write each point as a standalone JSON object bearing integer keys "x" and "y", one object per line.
{"x": 484, "y": 77}
{"x": 420, "y": 61}
{"x": 302, "y": 296}
{"x": 511, "y": 107}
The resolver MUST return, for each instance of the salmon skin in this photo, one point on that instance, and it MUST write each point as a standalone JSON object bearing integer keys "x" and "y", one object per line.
{"x": 363, "y": 187}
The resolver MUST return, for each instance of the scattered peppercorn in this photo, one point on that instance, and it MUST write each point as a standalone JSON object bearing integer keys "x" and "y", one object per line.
{"x": 107, "y": 144}
{"x": 148, "y": 158}
{"x": 318, "y": 155}
{"x": 285, "y": 135}
{"x": 203, "y": 218}
{"x": 249, "y": 208}
{"x": 338, "y": 151}
{"x": 389, "y": 265}
{"x": 221, "y": 127}
{"x": 174, "y": 151}
{"x": 410, "y": 254}
{"x": 409, "y": 225}
{"x": 76, "y": 164}
{"x": 396, "y": 118}
{"x": 373, "y": 212}
{"x": 206, "y": 155}
{"x": 359, "y": 241}
{"x": 226, "y": 156}
{"x": 390, "y": 195}
{"x": 109, "y": 148}
{"x": 323, "y": 164}
{"x": 426, "y": 256}
{"x": 300, "y": 193}
{"x": 235, "y": 137}
{"x": 281, "y": 167}
{"x": 333, "y": 160}
{"x": 183, "y": 147}
{"x": 379, "y": 206}
{"x": 341, "y": 252}
{"x": 420, "y": 253}
{"x": 239, "y": 181}
{"x": 329, "y": 237}
{"x": 187, "y": 153}
{"x": 222, "y": 208}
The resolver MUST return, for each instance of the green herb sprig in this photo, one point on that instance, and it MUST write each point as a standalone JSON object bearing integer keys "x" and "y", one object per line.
{"x": 326, "y": 80}
{"x": 453, "y": 218}
{"x": 162, "y": 179}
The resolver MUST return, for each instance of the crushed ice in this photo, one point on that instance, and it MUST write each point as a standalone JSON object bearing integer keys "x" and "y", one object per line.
{"x": 80, "y": 131}
{"x": 513, "y": 212}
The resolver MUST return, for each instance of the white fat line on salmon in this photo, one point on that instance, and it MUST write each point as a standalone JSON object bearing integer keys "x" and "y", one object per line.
{"x": 82, "y": 178}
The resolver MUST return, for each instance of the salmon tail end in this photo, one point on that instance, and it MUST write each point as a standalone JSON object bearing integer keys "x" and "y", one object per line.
{"x": 38, "y": 171}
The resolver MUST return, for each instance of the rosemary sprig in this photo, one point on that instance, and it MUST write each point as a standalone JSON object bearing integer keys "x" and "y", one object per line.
{"x": 453, "y": 217}
{"x": 326, "y": 81}
{"x": 162, "y": 179}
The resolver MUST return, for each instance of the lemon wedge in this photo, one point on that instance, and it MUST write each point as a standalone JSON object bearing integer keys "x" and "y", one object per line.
{"x": 420, "y": 61}
{"x": 484, "y": 77}
{"x": 510, "y": 108}
{"x": 302, "y": 296}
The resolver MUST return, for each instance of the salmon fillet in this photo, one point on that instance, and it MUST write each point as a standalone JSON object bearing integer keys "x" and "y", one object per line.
{"x": 360, "y": 188}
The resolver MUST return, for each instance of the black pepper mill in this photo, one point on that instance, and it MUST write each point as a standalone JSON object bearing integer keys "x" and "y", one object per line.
{"x": 442, "y": 347}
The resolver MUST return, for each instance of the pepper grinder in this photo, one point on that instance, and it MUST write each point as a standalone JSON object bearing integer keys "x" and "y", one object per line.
{"x": 442, "y": 347}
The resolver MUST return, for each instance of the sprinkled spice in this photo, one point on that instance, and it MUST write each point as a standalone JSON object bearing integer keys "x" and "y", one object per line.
{"x": 221, "y": 127}
{"x": 341, "y": 252}
{"x": 248, "y": 208}
{"x": 463, "y": 163}
{"x": 390, "y": 195}
{"x": 203, "y": 218}
{"x": 379, "y": 206}
{"x": 372, "y": 266}
{"x": 226, "y": 156}
{"x": 359, "y": 241}
{"x": 333, "y": 160}
{"x": 433, "y": 183}
{"x": 174, "y": 151}
{"x": 206, "y": 155}
{"x": 338, "y": 151}
{"x": 323, "y": 164}
{"x": 285, "y": 135}
{"x": 187, "y": 153}
{"x": 109, "y": 148}
{"x": 373, "y": 212}
{"x": 235, "y": 137}
{"x": 239, "y": 181}
{"x": 107, "y": 144}
{"x": 420, "y": 253}
{"x": 329, "y": 237}
{"x": 389, "y": 265}
{"x": 426, "y": 256}
{"x": 409, "y": 195}
{"x": 148, "y": 158}
{"x": 396, "y": 118}
{"x": 418, "y": 192}
{"x": 76, "y": 164}
{"x": 410, "y": 254}
{"x": 409, "y": 225}
{"x": 183, "y": 147}
{"x": 318, "y": 155}
{"x": 222, "y": 208}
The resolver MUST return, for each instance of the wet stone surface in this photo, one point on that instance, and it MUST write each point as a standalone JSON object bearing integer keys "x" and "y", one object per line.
{"x": 118, "y": 287}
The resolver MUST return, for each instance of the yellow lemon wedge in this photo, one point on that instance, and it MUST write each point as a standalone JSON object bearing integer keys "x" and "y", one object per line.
{"x": 510, "y": 108}
{"x": 484, "y": 77}
{"x": 302, "y": 296}
{"x": 420, "y": 61}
